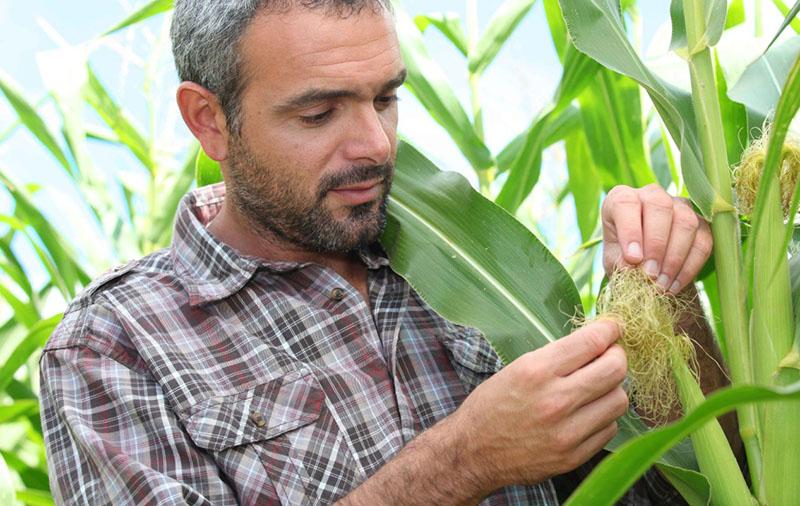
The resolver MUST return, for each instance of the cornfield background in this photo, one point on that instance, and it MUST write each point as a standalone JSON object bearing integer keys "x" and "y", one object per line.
{"x": 92, "y": 167}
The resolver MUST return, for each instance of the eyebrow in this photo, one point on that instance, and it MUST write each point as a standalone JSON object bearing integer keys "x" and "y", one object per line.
{"x": 317, "y": 95}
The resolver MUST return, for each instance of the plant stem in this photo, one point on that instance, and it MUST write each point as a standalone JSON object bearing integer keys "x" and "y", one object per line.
{"x": 714, "y": 455}
{"x": 486, "y": 176}
{"x": 725, "y": 225}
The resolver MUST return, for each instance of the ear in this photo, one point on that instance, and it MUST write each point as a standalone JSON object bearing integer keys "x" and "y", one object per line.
{"x": 203, "y": 115}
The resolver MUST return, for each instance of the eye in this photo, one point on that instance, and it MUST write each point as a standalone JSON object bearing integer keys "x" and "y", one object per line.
{"x": 317, "y": 119}
{"x": 385, "y": 101}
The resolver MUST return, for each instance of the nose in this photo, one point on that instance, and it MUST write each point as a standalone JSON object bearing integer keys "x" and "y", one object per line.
{"x": 369, "y": 138}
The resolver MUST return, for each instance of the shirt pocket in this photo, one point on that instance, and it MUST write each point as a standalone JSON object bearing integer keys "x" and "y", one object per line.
{"x": 283, "y": 427}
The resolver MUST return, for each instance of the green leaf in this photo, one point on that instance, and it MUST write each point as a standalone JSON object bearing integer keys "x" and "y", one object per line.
{"x": 207, "y": 171}
{"x": 692, "y": 486}
{"x": 736, "y": 14}
{"x": 446, "y": 239}
{"x": 760, "y": 86}
{"x": 500, "y": 28}
{"x": 597, "y": 29}
{"x": 578, "y": 72}
{"x": 584, "y": 183}
{"x": 24, "y": 312}
{"x": 12, "y": 412}
{"x": 555, "y": 131}
{"x": 795, "y": 23}
{"x": 714, "y": 15}
{"x": 790, "y": 17}
{"x": 609, "y": 481}
{"x": 7, "y": 493}
{"x": 33, "y": 497}
{"x": 428, "y": 83}
{"x": 170, "y": 190}
{"x": 148, "y": 10}
{"x": 35, "y": 339}
{"x": 449, "y": 23}
{"x": 611, "y": 111}
{"x": 558, "y": 29}
{"x": 734, "y": 118}
{"x": 112, "y": 114}
{"x": 58, "y": 249}
{"x": 31, "y": 119}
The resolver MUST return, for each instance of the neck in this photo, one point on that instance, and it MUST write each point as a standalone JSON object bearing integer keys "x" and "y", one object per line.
{"x": 233, "y": 229}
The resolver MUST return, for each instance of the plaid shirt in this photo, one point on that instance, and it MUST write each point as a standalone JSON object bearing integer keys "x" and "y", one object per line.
{"x": 200, "y": 376}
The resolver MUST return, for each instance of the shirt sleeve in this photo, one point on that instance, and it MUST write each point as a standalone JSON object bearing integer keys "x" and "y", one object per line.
{"x": 112, "y": 439}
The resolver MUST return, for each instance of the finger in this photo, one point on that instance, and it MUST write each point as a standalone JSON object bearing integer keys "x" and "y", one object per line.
{"x": 622, "y": 223}
{"x": 698, "y": 255}
{"x": 599, "y": 377}
{"x": 581, "y": 347}
{"x": 600, "y": 413}
{"x": 657, "y": 209}
{"x": 596, "y": 442}
{"x": 685, "y": 224}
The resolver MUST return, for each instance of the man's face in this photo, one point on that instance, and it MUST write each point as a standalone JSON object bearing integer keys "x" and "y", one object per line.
{"x": 314, "y": 161}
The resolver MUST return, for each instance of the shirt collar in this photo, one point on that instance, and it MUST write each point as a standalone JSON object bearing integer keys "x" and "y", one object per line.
{"x": 209, "y": 269}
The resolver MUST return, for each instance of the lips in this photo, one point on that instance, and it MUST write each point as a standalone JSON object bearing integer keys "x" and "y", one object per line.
{"x": 359, "y": 193}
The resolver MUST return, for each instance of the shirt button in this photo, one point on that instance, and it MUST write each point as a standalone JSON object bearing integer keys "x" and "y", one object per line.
{"x": 338, "y": 294}
{"x": 258, "y": 419}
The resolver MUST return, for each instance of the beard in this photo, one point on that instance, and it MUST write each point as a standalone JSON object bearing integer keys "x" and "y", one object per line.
{"x": 271, "y": 200}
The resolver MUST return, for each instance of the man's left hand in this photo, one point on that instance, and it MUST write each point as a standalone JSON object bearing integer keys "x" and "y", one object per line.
{"x": 661, "y": 233}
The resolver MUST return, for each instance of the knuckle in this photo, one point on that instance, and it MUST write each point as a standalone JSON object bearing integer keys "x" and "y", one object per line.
{"x": 594, "y": 340}
{"x": 671, "y": 266}
{"x": 553, "y": 409}
{"x": 657, "y": 243}
{"x": 564, "y": 441}
{"x": 705, "y": 245}
{"x": 621, "y": 194}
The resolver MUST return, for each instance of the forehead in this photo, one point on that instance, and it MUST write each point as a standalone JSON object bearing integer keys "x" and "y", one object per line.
{"x": 308, "y": 47}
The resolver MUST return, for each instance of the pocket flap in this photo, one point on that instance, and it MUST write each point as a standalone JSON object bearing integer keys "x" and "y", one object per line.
{"x": 256, "y": 414}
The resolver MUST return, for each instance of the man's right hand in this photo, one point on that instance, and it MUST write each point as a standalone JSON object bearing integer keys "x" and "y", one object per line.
{"x": 546, "y": 413}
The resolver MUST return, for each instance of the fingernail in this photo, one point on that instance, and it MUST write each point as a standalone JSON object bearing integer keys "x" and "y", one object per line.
{"x": 651, "y": 268}
{"x": 663, "y": 281}
{"x": 635, "y": 250}
{"x": 675, "y": 289}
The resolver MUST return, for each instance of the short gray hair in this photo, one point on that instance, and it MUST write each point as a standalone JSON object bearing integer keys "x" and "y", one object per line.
{"x": 206, "y": 35}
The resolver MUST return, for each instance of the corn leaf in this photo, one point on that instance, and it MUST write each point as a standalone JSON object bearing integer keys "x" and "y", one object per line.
{"x": 69, "y": 269}
{"x": 692, "y": 486}
{"x": 148, "y": 10}
{"x": 597, "y": 29}
{"x": 206, "y": 170}
{"x": 6, "y": 484}
{"x": 795, "y": 23}
{"x": 558, "y": 29}
{"x": 170, "y": 191}
{"x": 714, "y": 14}
{"x": 35, "y": 339}
{"x": 439, "y": 224}
{"x": 791, "y": 15}
{"x": 32, "y": 121}
{"x": 112, "y": 114}
{"x": 584, "y": 183}
{"x": 428, "y": 83}
{"x": 611, "y": 111}
{"x": 32, "y": 497}
{"x": 15, "y": 410}
{"x": 505, "y": 20}
{"x": 760, "y": 86}
{"x": 25, "y": 312}
{"x": 449, "y": 23}
{"x": 609, "y": 481}
{"x": 554, "y": 131}
{"x": 734, "y": 119}
{"x": 524, "y": 172}
{"x": 736, "y": 14}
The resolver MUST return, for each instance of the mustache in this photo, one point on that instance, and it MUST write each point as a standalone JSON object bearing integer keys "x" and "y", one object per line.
{"x": 354, "y": 175}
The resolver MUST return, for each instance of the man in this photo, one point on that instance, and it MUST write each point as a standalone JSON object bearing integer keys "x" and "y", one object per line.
{"x": 271, "y": 355}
